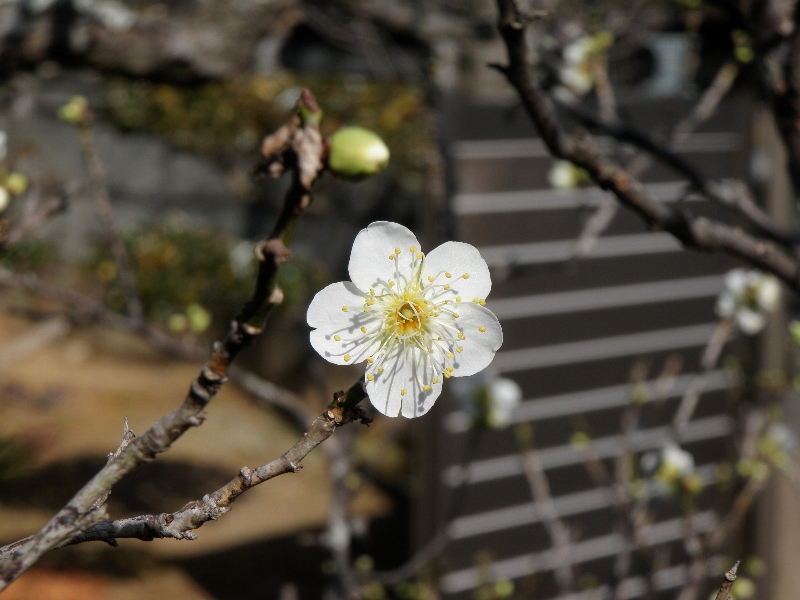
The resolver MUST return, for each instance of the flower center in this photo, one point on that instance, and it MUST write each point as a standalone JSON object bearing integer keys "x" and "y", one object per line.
{"x": 408, "y": 317}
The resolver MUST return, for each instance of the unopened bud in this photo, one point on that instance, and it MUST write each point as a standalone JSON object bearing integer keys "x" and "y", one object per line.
{"x": 75, "y": 111}
{"x": 356, "y": 153}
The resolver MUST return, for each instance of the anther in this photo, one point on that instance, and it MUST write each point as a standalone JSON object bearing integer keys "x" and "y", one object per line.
{"x": 465, "y": 275}
{"x": 380, "y": 369}
{"x": 458, "y": 298}
{"x": 346, "y": 358}
{"x": 337, "y": 338}
{"x": 435, "y": 380}
{"x": 450, "y": 355}
{"x": 426, "y": 387}
{"x": 392, "y": 257}
{"x": 455, "y": 315}
{"x": 461, "y": 335}
{"x": 447, "y": 286}
{"x": 430, "y": 278}
{"x": 413, "y": 249}
{"x": 370, "y": 377}
{"x": 363, "y": 329}
{"x": 448, "y": 275}
{"x": 481, "y": 328}
{"x": 419, "y": 255}
{"x": 391, "y": 284}
{"x": 460, "y": 349}
{"x": 344, "y": 309}
{"x": 403, "y": 392}
{"x": 397, "y": 250}
{"x": 370, "y": 360}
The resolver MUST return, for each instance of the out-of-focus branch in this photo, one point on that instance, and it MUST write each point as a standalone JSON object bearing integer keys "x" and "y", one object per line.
{"x": 102, "y": 199}
{"x": 540, "y": 491}
{"x": 693, "y": 232}
{"x": 708, "y": 361}
{"x": 718, "y": 536}
{"x": 786, "y": 104}
{"x": 306, "y": 146}
{"x": 182, "y": 523}
{"x": 34, "y": 213}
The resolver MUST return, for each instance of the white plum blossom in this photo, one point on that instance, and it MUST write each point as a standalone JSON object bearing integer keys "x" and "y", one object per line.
{"x": 415, "y": 318}
{"x": 748, "y": 297}
{"x": 563, "y": 175}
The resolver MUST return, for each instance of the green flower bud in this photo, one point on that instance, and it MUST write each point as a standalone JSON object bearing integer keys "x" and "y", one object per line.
{"x": 199, "y": 318}
{"x": 356, "y": 153}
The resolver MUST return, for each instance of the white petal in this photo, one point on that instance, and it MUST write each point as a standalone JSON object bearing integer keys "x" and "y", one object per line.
{"x": 726, "y": 304}
{"x": 769, "y": 293}
{"x": 458, "y": 259}
{"x": 369, "y": 258}
{"x": 326, "y": 307}
{"x": 479, "y": 347}
{"x": 326, "y": 314}
{"x": 749, "y": 321}
{"x": 736, "y": 280}
{"x": 409, "y": 369}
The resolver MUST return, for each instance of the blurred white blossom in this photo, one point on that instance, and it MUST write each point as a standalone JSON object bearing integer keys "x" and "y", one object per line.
{"x": 487, "y": 399}
{"x": 576, "y": 70}
{"x": 563, "y": 175}
{"x": 748, "y": 297}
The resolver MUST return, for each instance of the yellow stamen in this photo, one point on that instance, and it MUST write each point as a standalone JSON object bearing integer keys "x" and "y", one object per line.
{"x": 482, "y": 302}
{"x": 380, "y": 369}
{"x": 447, "y": 286}
{"x": 435, "y": 380}
{"x": 363, "y": 329}
{"x": 458, "y": 298}
{"x": 370, "y": 360}
{"x": 391, "y": 283}
{"x": 465, "y": 275}
{"x": 397, "y": 250}
{"x": 455, "y": 315}
{"x": 370, "y": 377}
{"x": 337, "y": 338}
{"x": 459, "y": 349}
{"x": 392, "y": 257}
{"x": 413, "y": 248}
{"x": 430, "y": 278}
{"x": 346, "y": 358}
{"x": 403, "y": 392}
{"x": 461, "y": 335}
{"x": 344, "y": 309}
{"x": 426, "y": 387}
{"x": 481, "y": 328}
{"x": 447, "y": 374}
{"x": 448, "y": 275}
{"x": 419, "y": 255}
{"x": 450, "y": 355}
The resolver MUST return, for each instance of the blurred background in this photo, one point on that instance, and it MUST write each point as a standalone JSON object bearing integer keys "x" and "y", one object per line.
{"x": 567, "y": 469}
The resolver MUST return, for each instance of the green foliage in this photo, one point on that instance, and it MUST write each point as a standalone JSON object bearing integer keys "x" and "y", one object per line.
{"x": 226, "y": 119}
{"x": 190, "y": 277}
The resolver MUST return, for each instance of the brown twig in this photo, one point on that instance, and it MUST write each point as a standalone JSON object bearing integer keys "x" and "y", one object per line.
{"x": 181, "y": 524}
{"x": 727, "y": 583}
{"x": 693, "y": 232}
{"x": 77, "y": 515}
{"x": 705, "y": 108}
{"x": 34, "y": 213}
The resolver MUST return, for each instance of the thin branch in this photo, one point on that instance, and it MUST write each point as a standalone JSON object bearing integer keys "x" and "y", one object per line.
{"x": 727, "y": 583}
{"x": 34, "y": 213}
{"x": 305, "y": 144}
{"x": 540, "y": 491}
{"x": 181, "y": 524}
{"x": 693, "y": 232}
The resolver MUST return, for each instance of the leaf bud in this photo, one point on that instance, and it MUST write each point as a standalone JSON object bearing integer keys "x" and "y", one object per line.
{"x": 356, "y": 153}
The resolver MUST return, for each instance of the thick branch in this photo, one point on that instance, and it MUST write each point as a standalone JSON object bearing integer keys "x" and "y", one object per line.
{"x": 697, "y": 233}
